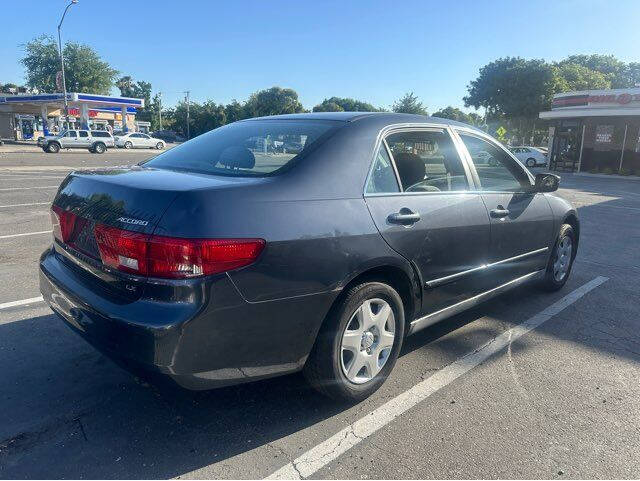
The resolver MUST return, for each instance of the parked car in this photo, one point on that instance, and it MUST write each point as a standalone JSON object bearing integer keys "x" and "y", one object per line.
{"x": 96, "y": 141}
{"x": 213, "y": 265}
{"x": 530, "y": 156}
{"x": 168, "y": 136}
{"x": 138, "y": 140}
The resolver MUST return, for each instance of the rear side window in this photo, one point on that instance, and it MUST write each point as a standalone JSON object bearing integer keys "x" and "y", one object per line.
{"x": 382, "y": 178}
{"x": 84, "y": 133}
{"x": 99, "y": 133}
{"x": 254, "y": 148}
{"x": 427, "y": 161}
{"x": 496, "y": 170}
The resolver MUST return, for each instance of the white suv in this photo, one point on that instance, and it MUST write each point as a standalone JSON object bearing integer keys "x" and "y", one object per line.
{"x": 96, "y": 141}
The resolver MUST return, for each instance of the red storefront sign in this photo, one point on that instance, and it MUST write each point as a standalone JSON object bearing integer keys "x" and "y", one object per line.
{"x": 76, "y": 113}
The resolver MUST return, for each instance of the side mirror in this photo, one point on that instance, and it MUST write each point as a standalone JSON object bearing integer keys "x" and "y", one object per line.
{"x": 547, "y": 182}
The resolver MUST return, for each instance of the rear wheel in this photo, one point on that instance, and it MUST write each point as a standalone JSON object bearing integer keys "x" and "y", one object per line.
{"x": 53, "y": 148}
{"x": 561, "y": 260}
{"x": 99, "y": 148}
{"x": 128, "y": 145}
{"x": 358, "y": 343}
{"x": 531, "y": 162}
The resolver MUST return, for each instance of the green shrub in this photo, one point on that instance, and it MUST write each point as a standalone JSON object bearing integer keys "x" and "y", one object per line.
{"x": 607, "y": 170}
{"x": 626, "y": 172}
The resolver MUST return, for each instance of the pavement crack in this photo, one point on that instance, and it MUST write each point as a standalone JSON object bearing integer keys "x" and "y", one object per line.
{"x": 84, "y": 434}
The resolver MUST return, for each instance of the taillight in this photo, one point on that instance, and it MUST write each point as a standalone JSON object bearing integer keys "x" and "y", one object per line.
{"x": 63, "y": 222}
{"x": 173, "y": 257}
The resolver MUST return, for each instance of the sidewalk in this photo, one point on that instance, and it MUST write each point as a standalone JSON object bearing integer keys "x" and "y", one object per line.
{"x": 18, "y": 147}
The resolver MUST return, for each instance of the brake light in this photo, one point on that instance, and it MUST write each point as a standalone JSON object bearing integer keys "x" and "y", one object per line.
{"x": 64, "y": 223}
{"x": 173, "y": 257}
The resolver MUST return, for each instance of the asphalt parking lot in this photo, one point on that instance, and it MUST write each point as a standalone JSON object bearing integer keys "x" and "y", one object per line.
{"x": 476, "y": 396}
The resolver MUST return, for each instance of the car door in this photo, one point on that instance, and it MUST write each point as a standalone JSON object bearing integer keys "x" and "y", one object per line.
{"x": 421, "y": 198}
{"x": 83, "y": 139}
{"x": 522, "y": 225}
{"x": 69, "y": 140}
{"x": 146, "y": 139}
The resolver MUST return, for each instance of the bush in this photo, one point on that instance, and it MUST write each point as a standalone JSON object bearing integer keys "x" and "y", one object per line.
{"x": 594, "y": 170}
{"x": 626, "y": 172}
{"x": 607, "y": 170}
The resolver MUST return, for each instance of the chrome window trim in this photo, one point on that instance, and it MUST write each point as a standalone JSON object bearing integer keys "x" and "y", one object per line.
{"x": 446, "y": 279}
{"x": 442, "y": 314}
{"x": 412, "y": 127}
{"x": 473, "y": 132}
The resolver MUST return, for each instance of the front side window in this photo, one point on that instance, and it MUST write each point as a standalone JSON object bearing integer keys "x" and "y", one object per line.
{"x": 496, "y": 170}
{"x": 71, "y": 133}
{"x": 427, "y": 161}
{"x": 253, "y": 148}
{"x": 382, "y": 178}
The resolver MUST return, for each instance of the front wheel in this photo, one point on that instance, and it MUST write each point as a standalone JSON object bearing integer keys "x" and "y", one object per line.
{"x": 561, "y": 260}
{"x": 53, "y": 148}
{"x": 159, "y": 146}
{"x": 358, "y": 343}
{"x": 531, "y": 162}
{"x": 128, "y": 145}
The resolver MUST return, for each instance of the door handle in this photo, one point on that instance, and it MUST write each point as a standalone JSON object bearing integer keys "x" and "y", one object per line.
{"x": 405, "y": 217}
{"x": 499, "y": 212}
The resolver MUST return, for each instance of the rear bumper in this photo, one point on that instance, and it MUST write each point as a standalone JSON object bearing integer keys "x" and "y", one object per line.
{"x": 202, "y": 334}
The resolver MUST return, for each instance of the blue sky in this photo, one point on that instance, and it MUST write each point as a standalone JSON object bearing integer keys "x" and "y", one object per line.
{"x": 370, "y": 50}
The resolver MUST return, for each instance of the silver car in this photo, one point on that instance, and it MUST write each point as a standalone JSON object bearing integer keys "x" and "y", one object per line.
{"x": 95, "y": 141}
{"x": 138, "y": 140}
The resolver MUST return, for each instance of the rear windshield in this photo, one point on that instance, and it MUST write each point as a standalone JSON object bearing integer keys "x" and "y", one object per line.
{"x": 253, "y": 148}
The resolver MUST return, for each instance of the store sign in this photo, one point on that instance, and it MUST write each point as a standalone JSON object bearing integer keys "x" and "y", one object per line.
{"x": 604, "y": 134}
{"x": 76, "y": 112}
{"x": 621, "y": 99}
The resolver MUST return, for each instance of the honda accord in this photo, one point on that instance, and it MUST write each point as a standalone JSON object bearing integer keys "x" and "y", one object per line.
{"x": 229, "y": 259}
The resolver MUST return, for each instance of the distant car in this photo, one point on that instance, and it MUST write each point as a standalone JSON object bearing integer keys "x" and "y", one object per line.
{"x": 138, "y": 140}
{"x": 168, "y": 136}
{"x": 95, "y": 141}
{"x": 530, "y": 156}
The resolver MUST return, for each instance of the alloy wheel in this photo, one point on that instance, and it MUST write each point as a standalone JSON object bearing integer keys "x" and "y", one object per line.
{"x": 367, "y": 341}
{"x": 562, "y": 259}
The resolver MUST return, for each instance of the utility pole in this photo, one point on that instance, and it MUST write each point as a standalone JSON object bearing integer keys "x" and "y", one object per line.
{"x": 160, "y": 110}
{"x": 64, "y": 81}
{"x": 187, "y": 100}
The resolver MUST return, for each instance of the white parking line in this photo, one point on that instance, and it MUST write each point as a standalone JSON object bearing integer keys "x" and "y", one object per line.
{"x": 319, "y": 456}
{"x": 25, "y": 234}
{"x": 25, "y": 205}
{"x": 17, "y": 177}
{"x": 29, "y": 188}
{"x": 32, "y": 300}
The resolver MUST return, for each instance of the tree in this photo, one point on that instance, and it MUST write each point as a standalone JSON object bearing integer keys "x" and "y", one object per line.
{"x": 409, "y": 104}
{"x": 610, "y": 67}
{"x": 140, "y": 90}
{"x": 340, "y": 104}
{"x": 573, "y": 76}
{"x": 273, "y": 101}
{"x": 234, "y": 111}
{"x": 458, "y": 115}
{"x": 85, "y": 71}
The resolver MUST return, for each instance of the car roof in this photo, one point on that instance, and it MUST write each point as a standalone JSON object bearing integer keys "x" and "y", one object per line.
{"x": 378, "y": 117}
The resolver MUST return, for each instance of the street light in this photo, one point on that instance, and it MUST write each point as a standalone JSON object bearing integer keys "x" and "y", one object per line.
{"x": 64, "y": 83}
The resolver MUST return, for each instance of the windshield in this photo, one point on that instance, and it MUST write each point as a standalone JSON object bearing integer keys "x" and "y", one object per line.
{"x": 253, "y": 148}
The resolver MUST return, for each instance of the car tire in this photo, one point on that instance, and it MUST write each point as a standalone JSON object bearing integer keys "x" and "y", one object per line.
{"x": 99, "y": 148}
{"x": 332, "y": 365}
{"x": 128, "y": 145}
{"x": 560, "y": 260}
{"x": 53, "y": 148}
{"x": 159, "y": 146}
{"x": 92, "y": 150}
{"x": 531, "y": 162}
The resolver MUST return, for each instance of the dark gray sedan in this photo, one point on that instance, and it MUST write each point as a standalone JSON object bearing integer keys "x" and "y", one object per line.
{"x": 229, "y": 259}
